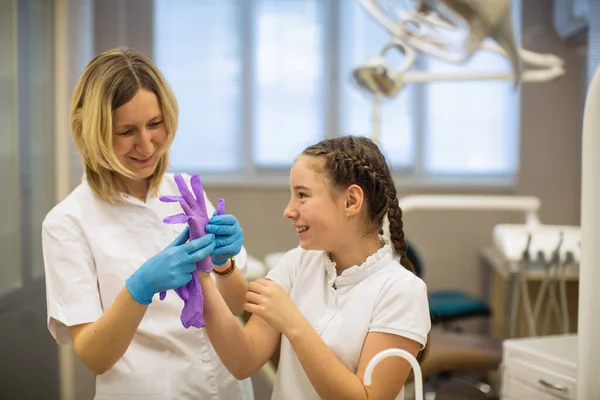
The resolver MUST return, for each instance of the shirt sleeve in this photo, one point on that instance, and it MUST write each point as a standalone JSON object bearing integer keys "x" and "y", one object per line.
{"x": 72, "y": 295}
{"x": 285, "y": 271}
{"x": 403, "y": 309}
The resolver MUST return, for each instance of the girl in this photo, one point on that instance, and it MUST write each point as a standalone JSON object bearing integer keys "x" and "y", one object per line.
{"x": 340, "y": 297}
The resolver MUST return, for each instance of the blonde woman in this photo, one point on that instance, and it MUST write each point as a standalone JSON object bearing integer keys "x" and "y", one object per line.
{"x": 107, "y": 252}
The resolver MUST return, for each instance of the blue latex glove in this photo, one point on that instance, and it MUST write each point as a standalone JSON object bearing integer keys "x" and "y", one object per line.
{"x": 229, "y": 237}
{"x": 169, "y": 269}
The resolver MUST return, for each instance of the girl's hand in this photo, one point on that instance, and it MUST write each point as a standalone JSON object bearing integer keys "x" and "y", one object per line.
{"x": 269, "y": 301}
{"x": 229, "y": 237}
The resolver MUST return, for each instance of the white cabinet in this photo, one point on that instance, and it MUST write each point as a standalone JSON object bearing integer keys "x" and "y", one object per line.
{"x": 540, "y": 368}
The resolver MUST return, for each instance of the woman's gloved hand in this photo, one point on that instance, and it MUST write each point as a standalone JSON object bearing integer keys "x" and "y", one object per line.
{"x": 229, "y": 237}
{"x": 169, "y": 269}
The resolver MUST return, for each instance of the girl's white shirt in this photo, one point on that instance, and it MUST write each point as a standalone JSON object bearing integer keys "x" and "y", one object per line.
{"x": 378, "y": 296}
{"x": 90, "y": 248}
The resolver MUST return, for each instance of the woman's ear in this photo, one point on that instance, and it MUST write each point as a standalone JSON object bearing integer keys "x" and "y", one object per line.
{"x": 354, "y": 200}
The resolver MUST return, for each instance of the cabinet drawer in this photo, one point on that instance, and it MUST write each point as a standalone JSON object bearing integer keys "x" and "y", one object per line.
{"x": 514, "y": 389}
{"x": 540, "y": 379}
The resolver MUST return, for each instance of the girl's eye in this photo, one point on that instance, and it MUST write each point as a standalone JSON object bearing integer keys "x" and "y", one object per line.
{"x": 302, "y": 195}
{"x": 127, "y": 132}
{"x": 155, "y": 124}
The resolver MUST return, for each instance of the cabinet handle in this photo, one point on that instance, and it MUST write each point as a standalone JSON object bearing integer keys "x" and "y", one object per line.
{"x": 553, "y": 386}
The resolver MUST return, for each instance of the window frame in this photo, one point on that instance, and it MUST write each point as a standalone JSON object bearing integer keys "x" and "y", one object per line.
{"x": 251, "y": 175}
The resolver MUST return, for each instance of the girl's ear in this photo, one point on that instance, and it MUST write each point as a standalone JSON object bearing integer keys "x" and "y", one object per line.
{"x": 354, "y": 200}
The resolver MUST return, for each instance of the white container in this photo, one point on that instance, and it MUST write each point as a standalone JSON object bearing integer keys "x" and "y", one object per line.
{"x": 540, "y": 368}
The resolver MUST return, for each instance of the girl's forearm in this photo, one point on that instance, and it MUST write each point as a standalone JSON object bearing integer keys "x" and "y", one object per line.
{"x": 329, "y": 377}
{"x": 232, "y": 344}
{"x": 102, "y": 343}
{"x": 232, "y": 288}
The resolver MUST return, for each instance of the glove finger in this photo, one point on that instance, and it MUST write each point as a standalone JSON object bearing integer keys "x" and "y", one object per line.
{"x": 184, "y": 292}
{"x": 176, "y": 219}
{"x": 176, "y": 199}
{"x": 225, "y": 219}
{"x": 221, "y": 230}
{"x": 237, "y": 237}
{"x": 185, "y": 192}
{"x": 229, "y": 250}
{"x": 188, "y": 268}
{"x": 197, "y": 244}
{"x": 170, "y": 199}
{"x": 202, "y": 253}
{"x": 182, "y": 238}
{"x": 186, "y": 208}
{"x": 220, "y": 207}
{"x": 225, "y": 240}
{"x": 198, "y": 192}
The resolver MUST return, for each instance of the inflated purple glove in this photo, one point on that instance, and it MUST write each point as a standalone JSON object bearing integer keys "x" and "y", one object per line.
{"x": 196, "y": 217}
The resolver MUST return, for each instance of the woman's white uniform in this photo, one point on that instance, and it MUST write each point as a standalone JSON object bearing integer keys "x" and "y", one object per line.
{"x": 90, "y": 248}
{"x": 378, "y": 296}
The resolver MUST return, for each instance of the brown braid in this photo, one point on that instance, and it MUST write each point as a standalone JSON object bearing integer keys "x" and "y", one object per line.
{"x": 397, "y": 228}
{"x": 352, "y": 160}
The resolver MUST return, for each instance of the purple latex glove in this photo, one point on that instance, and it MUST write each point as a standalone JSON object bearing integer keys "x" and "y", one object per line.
{"x": 196, "y": 217}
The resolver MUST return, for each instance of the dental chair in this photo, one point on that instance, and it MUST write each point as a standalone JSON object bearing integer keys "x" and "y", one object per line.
{"x": 461, "y": 360}
{"x": 456, "y": 358}
{"x": 447, "y": 306}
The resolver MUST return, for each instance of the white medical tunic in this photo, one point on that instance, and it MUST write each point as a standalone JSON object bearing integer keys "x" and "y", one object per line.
{"x": 90, "y": 248}
{"x": 378, "y": 296}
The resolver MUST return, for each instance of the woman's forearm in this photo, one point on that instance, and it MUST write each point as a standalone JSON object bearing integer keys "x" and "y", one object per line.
{"x": 233, "y": 288}
{"x": 329, "y": 377}
{"x": 102, "y": 343}
{"x": 232, "y": 344}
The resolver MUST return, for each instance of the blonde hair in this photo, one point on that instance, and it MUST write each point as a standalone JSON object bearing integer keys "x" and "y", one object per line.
{"x": 110, "y": 80}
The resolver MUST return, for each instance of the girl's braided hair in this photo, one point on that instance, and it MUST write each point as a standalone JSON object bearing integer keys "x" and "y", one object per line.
{"x": 353, "y": 160}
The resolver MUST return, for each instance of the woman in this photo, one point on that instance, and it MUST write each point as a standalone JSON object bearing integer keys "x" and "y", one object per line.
{"x": 107, "y": 252}
{"x": 341, "y": 297}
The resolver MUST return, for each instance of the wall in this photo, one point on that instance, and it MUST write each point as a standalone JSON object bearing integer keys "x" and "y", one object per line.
{"x": 550, "y": 169}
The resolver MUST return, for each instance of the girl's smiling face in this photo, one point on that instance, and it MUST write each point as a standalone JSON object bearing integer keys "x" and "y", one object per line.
{"x": 317, "y": 213}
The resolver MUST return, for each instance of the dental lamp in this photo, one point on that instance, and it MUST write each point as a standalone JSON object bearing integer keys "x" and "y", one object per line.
{"x": 454, "y": 30}
{"x": 451, "y": 31}
{"x": 377, "y": 76}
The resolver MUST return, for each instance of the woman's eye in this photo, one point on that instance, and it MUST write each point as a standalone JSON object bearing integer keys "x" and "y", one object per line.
{"x": 302, "y": 195}
{"x": 155, "y": 124}
{"x": 127, "y": 132}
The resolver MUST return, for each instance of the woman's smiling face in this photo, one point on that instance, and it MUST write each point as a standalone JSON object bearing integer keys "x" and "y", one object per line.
{"x": 139, "y": 134}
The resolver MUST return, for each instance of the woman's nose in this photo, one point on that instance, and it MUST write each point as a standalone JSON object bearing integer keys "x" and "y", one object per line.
{"x": 144, "y": 143}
